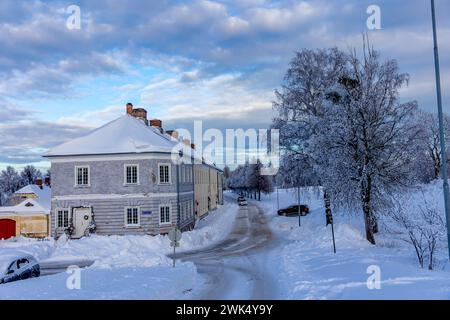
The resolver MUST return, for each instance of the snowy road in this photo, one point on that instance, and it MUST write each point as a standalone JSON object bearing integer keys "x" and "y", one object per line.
{"x": 235, "y": 268}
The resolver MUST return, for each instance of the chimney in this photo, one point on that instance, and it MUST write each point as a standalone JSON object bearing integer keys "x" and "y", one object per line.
{"x": 38, "y": 182}
{"x": 173, "y": 133}
{"x": 156, "y": 123}
{"x": 187, "y": 142}
{"x": 193, "y": 146}
{"x": 47, "y": 181}
{"x": 129, "y": 108}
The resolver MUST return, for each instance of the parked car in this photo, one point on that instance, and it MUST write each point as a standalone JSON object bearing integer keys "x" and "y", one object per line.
{"x": 242, "y": 201}
{"x": 293, "y": 211}
{"x": 18, "y": 266}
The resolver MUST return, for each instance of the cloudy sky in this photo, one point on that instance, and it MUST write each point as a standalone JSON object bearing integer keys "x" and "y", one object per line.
{"x": 216, "y": 61}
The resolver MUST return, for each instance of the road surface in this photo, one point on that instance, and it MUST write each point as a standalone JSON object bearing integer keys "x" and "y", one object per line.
{"x": 49, "y": 267}
{"x": 235, "y": 268}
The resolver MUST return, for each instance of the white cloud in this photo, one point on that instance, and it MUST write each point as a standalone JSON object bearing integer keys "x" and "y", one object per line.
{"x": 226, "y": 96}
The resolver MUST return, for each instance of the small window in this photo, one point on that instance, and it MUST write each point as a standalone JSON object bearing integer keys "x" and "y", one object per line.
{"x": 164, "y": 173}
{"x": 62, "y": 218}
{"x": 164, "y": 215}
{"x": 82, "y": 176}
{"x": 132, "y": 217}
{"x": 132, "y": 174}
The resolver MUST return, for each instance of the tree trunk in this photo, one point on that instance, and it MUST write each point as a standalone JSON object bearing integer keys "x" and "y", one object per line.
{"x": 369, "y": 218}
{"x": 259, "y": 194}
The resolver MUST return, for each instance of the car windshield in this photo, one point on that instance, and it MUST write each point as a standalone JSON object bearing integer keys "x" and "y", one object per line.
{"x": 21, "y": 263}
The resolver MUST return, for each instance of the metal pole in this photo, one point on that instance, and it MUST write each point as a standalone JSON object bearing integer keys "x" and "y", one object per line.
{"x": 299, "y": 209}
{"x": 278, "y": 199}
{"x": 174, "y": 246}
{"x": 332, "y": 232}
{"x": 441, "y": 125}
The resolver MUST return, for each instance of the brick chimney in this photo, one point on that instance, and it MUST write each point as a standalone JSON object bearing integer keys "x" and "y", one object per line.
{"x": 38, "y": 182}
{"x": 193, "y": 146}
{"x": 187, "y": 142}
{"x": 47, "y": 181}
{"x": 173, "y": 133}
{"x": 129, "y": 108}
{"x": 156, "y": 123}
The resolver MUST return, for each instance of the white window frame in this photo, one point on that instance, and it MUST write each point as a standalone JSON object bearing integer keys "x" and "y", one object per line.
{"x": 127, "y": 225}
{"x": 169, "y": 173}
{"x": 76, "y": 176}
{"x": 57, "y": 210}
{"x": 125, "y": 182}
{"x": 170, "y": 215}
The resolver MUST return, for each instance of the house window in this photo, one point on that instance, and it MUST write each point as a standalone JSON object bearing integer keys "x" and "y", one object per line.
{"x": 132, "y": 174}
{"x": 164, "y": 173}
{"x": 132, "y": 217}
{"x": 82, "y": 176}
{"x": 62, "y": 218}
{"x": 164, "y": 215}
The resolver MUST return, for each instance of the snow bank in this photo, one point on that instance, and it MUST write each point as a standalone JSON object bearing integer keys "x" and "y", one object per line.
{"x": 212, "y": 229}
{"x": 308, "y": 268}
{"x": 97, "y": 284}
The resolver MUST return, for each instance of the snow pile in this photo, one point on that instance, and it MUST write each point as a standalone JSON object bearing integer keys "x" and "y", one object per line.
{"x": 40, "y": 249}
{"x": 210, "y": 230}
{"x": 116, "y": 251}
{"x": 97, "y": 284}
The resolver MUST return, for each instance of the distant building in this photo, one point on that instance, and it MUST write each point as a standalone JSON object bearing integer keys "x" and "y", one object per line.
{"x": 29, "y": 213}
{"x": 122, "y": 179}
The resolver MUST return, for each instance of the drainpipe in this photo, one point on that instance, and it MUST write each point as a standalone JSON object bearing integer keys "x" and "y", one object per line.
{"x": 193, "y": 186}
{"x": 178, "y": 196}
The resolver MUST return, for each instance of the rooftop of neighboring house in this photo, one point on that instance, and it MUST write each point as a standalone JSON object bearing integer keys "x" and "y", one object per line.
{"x": 40, "y": 204}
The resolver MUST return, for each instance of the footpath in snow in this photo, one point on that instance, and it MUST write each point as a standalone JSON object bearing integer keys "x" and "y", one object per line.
{"x": 125, "y": 267}
{"x": 308, "y": 268}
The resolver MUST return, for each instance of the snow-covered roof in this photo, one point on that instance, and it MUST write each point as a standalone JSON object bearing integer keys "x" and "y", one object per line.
{"x": 28, "y": 206}
{"x": 123, "y": 135}
{"x": 44, "y": 195}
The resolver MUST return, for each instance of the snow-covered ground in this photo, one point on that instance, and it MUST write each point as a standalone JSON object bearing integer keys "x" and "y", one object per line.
{"x": 298, "y": 262}
{"x": 125, "y": 267}
{"x": 308, "y": 268}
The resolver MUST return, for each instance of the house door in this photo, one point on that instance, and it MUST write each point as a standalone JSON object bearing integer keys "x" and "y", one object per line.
{"x": 7, "y": 228}
{"x": 82, "y": 218}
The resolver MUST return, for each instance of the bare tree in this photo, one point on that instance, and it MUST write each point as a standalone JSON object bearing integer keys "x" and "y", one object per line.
{"x": 29, "y": 175}
{"x": 420, "y": 222}
{"x": 431, "y": 142}
{"x": 366, "y": 139}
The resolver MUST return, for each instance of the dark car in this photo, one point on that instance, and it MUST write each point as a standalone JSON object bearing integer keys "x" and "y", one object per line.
{"x": 293, "y": 211}
{"x": 14, "y": 267}
{"x": 242, "y": 201}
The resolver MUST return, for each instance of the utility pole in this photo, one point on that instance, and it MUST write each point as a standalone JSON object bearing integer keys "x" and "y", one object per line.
{"x": 278, "y": 199}
{"x": 441, "y": 124}
{"x": 299, "y": 209}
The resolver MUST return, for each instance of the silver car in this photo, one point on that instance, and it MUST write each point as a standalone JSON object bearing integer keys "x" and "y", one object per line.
{"x": 18, "y": 266}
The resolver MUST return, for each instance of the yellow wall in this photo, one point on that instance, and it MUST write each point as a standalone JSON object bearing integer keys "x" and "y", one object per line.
{"x": 205, "y": 185}
{"x": 33, "y": 226}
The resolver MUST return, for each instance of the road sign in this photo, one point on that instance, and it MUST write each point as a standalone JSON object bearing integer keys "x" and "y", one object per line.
{"x": 174, "y": 244}
{"x": 175, "y": 235}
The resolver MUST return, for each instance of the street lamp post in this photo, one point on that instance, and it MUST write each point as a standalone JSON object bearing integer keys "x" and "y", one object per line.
{"x": 441, "y": 125}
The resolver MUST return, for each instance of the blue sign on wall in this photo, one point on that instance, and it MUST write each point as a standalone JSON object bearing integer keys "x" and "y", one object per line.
{"x": 146, "y": 212}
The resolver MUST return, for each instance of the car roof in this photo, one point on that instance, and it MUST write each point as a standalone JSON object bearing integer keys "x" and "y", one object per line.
{"x": 9, "y": 256}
